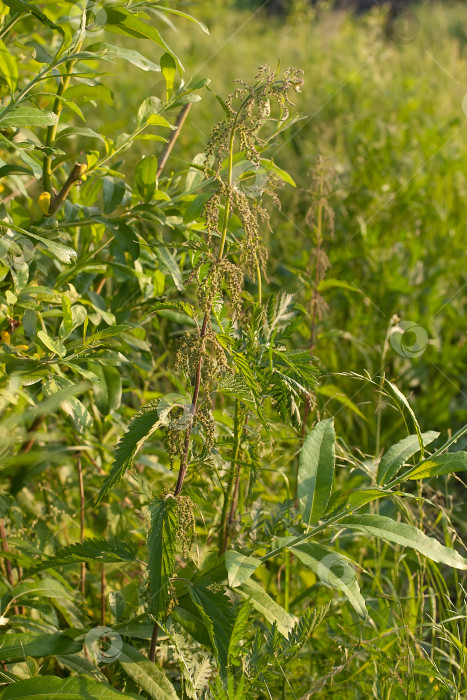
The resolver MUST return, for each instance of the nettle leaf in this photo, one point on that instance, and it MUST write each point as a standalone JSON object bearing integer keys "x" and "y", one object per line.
{"x": 436, "y": 466}
{"x": 241, "y": 625}
{"x": 74, "y": 688}
{"x": 316, "y": 471}
{"x": 398, "y": 454}
{"x": 146, "y": 177}
{"x": 16, "y": 647}
{"x": 146, "y": 674}
{"x": 332, "y": 569}
{"x": 240, "y": 567}
{"x": 162, "y": 547}
{"x": 142, "y": 425}
{"x": 264, "y": 604}
{"x": 405, "y": 535}
{"x": 182, "y": 306}
{"x": 216, "y": 611}
{"x": 299, "y": 634}
{"x": 96, "y": 549}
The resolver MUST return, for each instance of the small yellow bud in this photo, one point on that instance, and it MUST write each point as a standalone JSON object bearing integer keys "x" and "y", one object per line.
{"x": 5, "y": 337}
{"x": 44, "y": 202}
{"x": 21, "y": 348}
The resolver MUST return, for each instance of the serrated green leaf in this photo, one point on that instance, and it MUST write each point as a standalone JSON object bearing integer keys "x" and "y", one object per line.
{"x": 97, "y": 549}
{"x": 216, "y": 611}
{"x": 142, "y": 425}
{"x": 181, "y": 306}
{"x": 161, "y": 546}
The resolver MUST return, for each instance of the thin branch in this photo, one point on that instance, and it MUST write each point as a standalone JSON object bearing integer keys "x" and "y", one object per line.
{"x": 153, "y": 648}
{"x": 173, "y": 137}
{"x": 81, "y": 499}
{"x": 75, "y": 175}
{"x": 9, "y": 571}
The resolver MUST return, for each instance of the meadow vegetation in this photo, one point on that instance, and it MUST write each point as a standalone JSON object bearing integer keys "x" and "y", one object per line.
{"x": 232, "y": 390}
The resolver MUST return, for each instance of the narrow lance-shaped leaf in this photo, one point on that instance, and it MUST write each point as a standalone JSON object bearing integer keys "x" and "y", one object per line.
{"x": 436, "y": 466}
{"x": 316, "y": 471}
{"x": 399, "y": 453}
{"x": 332, "y": 569}
{"x": 16, "y": 647}
{"x": 146, "y": 177}
{"x": 239, "y": 567}
{"x": 402, "y": 401}
{"x": 75, "y": 688}
{"x": 405, "y": 535}
{"x": 264, "y": 604}
{"x": 145, "y": 422}
{"x": 28, "y": 116}
{"x": 150, "y": 677}
{"x": 161, "y": 546}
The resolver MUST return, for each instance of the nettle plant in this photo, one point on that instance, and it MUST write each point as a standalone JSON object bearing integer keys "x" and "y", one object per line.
{"x": 122, "y": 280}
